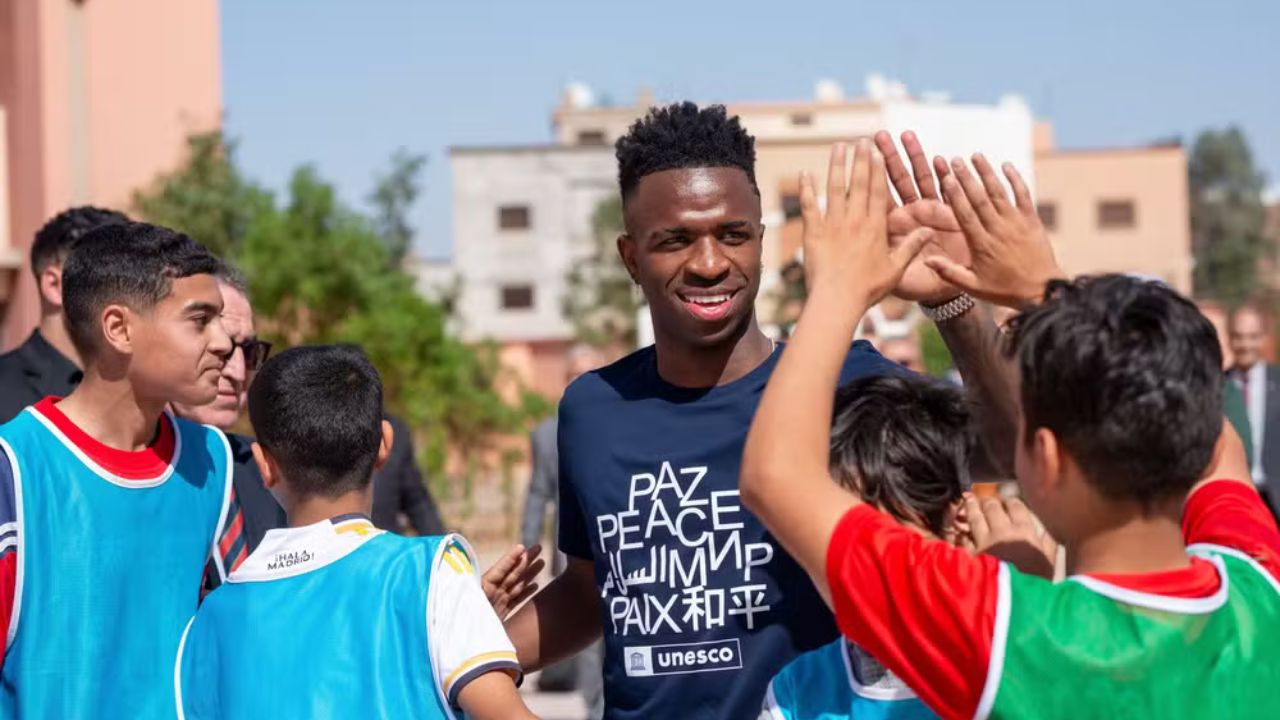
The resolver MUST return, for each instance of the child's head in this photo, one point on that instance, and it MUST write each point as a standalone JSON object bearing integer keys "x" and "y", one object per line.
{"x": 1121, "y": 388}
{"x": 317, "y": 415}
{"x": 141, "y": 302}
{"x": 903, "y": 444}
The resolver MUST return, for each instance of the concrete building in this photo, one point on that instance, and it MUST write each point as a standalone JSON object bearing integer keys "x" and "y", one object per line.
{"x": 1118, "y": 210}
{"x": 97, "y": 99}
{"x": 522, "y": 214}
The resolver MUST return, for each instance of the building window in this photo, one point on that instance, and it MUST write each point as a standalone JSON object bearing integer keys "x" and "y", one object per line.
{"x": 591, "y": 137}
{"x": 791, "y": 206}
{"x": 802, "y": 119}
{"x": 517, "y": 297}
{"x": 1113, "y": 214}
{"x": 513, "y": 217}
{"x": 1048, "y": 213}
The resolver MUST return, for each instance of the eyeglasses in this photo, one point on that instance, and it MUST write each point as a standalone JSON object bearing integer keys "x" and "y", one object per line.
{"x": 255, "y": 352}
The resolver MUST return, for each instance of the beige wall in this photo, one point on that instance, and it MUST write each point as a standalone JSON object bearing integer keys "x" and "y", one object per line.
{"x": 1155, "y": 179}
{"x": 99, "y": 97}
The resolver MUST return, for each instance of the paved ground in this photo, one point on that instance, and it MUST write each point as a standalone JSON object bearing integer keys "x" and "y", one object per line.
{"x": 556, "y": 706}
{"x": 552, "y": 706}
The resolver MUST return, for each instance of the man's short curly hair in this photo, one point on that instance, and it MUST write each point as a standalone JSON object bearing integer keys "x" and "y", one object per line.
{"x": 684, "y": 136}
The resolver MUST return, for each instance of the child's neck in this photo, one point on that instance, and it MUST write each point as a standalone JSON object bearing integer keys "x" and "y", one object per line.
{"x": 1138, "y": 544}
{"x": 311, "y": 510}
{"x": 110, "y": 412}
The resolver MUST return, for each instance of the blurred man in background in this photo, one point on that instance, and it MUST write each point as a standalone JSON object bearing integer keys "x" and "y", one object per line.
{"x": 905, "y": 351}
{"x": 401, "y": 500}
{"x": 1232, "y": 399}
{"x": 1260, "y": 385}
{"x": 258, "y": 511}
{"x": 47, "y": 363}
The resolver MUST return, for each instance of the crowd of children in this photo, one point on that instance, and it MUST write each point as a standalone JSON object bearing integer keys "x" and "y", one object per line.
{"x": 111, "y": 507}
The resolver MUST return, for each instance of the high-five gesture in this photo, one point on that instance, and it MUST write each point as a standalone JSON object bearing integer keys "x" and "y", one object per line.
{"x": 922, "y": 206}
{"x": 1010, "y": 255}
{"x": 846, "y": 248}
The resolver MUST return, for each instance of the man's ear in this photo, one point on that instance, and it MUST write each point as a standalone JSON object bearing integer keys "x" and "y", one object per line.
{"x": 267, "y": 466}
{"x": 50, "y": 283}
{"x": 384, "y": 449}
{"x": 627, "y": 251}
{"x": 117, "y": 324}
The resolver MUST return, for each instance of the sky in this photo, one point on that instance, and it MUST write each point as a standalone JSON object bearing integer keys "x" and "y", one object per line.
{"x": 343, "y": 84}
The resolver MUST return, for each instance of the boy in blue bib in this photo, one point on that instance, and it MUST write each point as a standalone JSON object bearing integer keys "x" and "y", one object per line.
{"x": 331, "y": 617}
{"x": 109, "y": 506}
{"x": 904, "y": 445}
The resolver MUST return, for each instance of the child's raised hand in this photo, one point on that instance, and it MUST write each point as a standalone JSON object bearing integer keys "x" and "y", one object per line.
{"x": 1010, "y": 257}
{"x": 512, "y": 579}
{"x": 847, "y": 253}
{"x": 1006, "y": 529}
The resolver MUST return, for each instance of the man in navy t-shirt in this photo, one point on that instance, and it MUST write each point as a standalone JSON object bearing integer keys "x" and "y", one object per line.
{"x": 698, "y": 605}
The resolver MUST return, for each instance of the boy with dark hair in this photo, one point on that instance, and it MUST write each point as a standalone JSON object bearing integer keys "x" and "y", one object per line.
{"x": 343, "y": 618}
{"x": 1172, "y": 590}
{"x": 47, "y": 363}
{"x": 115, "y": 503}
{"x": 903, "y": 445}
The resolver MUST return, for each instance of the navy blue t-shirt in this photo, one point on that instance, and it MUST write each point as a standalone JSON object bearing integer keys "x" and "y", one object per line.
{"x": 701, "y": 607}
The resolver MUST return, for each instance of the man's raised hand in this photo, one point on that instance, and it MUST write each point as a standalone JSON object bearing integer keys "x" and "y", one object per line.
{"x": 846, "y": 248}
{"x": 1010, "y": 258}
{"x": 512, "y": 579}
{"x": 922, "y": 206}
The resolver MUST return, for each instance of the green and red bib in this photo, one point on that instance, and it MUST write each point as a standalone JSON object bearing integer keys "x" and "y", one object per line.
{"x": 1085, "y": 648}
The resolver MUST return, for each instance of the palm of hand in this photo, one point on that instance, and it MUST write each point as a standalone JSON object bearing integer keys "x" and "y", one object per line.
{"x": 920, "y": 283}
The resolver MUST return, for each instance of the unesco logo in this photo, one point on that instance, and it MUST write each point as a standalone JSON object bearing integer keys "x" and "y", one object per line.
{"x": 645, "y": 661}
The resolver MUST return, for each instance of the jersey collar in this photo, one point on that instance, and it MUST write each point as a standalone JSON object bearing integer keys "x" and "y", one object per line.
{"x": 148, "y": 467}
{"x": 288, "y": 552}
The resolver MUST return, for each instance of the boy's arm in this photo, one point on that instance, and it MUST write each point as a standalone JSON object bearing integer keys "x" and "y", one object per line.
{"x": 849, "y": 266}
{"x": 925, "y": 609}
{"x": 1225, "y": 508}
{"x": 493, "y": 696}
{"x": 8, "y": 547}
{"x": 465, "y": 636}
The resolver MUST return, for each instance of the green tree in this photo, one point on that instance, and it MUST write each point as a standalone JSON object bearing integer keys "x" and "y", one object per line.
{"x": 320, "y": 272}
{"x": 207, "y": 198}
{"x": 1227, "y": 215}
{"x": 602, "y": 302}
{"x": 392, "y": 197}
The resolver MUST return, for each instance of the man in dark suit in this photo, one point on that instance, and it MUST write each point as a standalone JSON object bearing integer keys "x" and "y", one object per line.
{"x": 47, "y": 363}
{"x": 398, "y": 489}
{"x": 1259, "y": 382}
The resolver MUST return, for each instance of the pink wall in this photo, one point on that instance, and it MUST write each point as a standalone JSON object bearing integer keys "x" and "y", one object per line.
{"x": 100, "y": 97}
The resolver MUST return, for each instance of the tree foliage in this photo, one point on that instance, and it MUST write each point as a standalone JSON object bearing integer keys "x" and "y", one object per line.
{"x": 1227, "y": 215}
{"x": 601, "y": 302}
{"x": 320, "y": 272}
{"x": 392, "y": 197}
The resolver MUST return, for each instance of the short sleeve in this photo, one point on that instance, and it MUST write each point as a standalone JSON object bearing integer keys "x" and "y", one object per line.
{"x": 573, "y": 538}
{"x": 466, "y": 637}
{"x": 9, "y": 539}
{"x": 1232, "y": 514}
